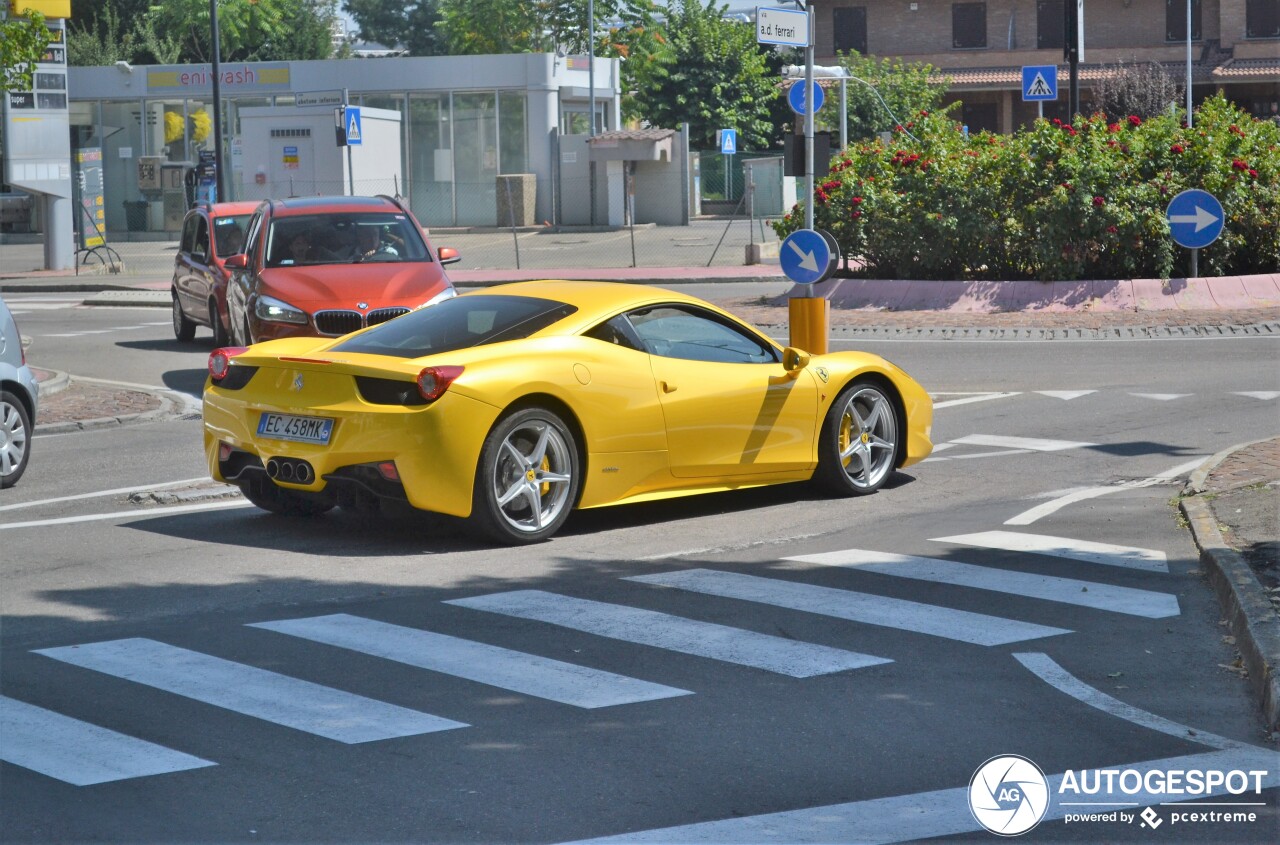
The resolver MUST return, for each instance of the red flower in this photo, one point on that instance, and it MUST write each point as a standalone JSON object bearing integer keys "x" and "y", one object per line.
{"x": 1177, "y": 148}
{"x": 1112, "y": 229}
{"x": 831, "y": 185}
{"x": 857, "y": 214}
{"x": 1057, "y": 122}
{"x": 1134, "y": 120}
{"x": 1239, "y": 165}
{"x": 857, "y": 200}
{"x": 1067, "y": 185}
{"x": 1098, "y": 202}
{"x": 1113, "y": 127}
{"x": 924, "y": 113}
{"x": 898, "y": 128}
{"x": 1071, "y": 130}
{"x": 822, "y": 196}
{"x": 1253, "y": 173}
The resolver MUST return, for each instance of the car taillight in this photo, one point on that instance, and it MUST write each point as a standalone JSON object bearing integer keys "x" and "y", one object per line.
{"x": 220, "y": 361}
{"x": 434, "y": 381}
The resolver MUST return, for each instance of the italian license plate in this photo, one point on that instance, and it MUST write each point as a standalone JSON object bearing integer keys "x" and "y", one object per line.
{"x": 301, "y": 429}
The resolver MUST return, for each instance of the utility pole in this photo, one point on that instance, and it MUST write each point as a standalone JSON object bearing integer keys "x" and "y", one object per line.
{"x": 1072, "y": 50}
{"x": 219, "y": 194}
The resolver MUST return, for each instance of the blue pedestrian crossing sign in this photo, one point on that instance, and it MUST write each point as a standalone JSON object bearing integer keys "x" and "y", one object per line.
{"x": 728, "y": 142}
{"x": 806, "y": 257}
{"x": 1039, "y": 82}
{"x": 799, "y": 102}
{"x": 352, "y": 121}
{"x": 1195, "y": 218}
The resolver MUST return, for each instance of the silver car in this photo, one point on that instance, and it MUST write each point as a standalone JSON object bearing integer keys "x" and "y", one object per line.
{"x": 19, "y": 397}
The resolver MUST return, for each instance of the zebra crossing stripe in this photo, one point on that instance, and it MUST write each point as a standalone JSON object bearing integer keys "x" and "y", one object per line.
{"x": 265, "y": 695}
{"x": 1130, "y": 557}
{"x": 530, "y": 674}
{"x": 1035, "y": 444}
{"x": 1089, "y": 594}
{"x": 80, "y": 753}
{"x": 673, "y": 633}
{"x": 950, "y": 624}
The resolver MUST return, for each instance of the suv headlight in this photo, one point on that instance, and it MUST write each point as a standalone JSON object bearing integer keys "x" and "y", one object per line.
{"x": 447, "y": 293}
{"x": 272, "y": 309}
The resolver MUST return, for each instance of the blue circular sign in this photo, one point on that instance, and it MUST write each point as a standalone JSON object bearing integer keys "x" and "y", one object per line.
{"x": 806, "y": 257}
{"x": 1195, "y": 218}
{"x": 797, "y": 99}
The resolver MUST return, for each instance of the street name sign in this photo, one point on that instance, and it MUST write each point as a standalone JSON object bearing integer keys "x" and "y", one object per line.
{"x": 798, "y": 101}
{"x": 1039, "y": 82}
{"x": 788, "y": 27}
{"x": 1195, "y": 218}
{"x": 317, "y": 98}
{"x": 806, "y": 257}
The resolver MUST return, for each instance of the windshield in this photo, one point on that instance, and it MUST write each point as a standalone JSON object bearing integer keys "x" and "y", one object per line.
{"x": 228, "y": 234}
{"x": 344, "y": 238}
{"x": 459, "y": 323}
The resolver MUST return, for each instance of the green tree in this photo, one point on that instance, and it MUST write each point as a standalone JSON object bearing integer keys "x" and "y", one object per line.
{"x": 711, "y": 74}
{"x": 904, "y": 91}
{"x": 23, "y": 40}
{"x": 413, "y": 24}
{"x": 483, "y": 27}
{"x": 250, "y": 30}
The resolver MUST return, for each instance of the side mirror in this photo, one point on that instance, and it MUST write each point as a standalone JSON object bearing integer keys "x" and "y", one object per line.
{"x": 794, "y": 360}
{"x": 236, "y": 262}
{"x": 448, "y": 255}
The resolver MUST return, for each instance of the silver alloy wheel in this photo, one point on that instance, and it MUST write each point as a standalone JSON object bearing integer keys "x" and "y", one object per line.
{"x": 867, "y": 437}
{"x": 13, "y": 439}
{"x": 532, "y": 476}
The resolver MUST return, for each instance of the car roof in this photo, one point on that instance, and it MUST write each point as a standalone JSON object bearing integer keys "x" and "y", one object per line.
{"x": 230, "y": 209}
{"x": 313, "y": 205}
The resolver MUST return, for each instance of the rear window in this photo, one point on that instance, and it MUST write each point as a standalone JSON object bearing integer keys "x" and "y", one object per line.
{"x": 459, "y": 323}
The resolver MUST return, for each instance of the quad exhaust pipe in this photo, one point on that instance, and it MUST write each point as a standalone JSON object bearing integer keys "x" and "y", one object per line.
{"x": 291, "y": 471}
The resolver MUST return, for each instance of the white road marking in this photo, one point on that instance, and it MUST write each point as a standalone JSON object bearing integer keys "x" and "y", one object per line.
{"x": 1000, "y": 454}
{"x": 673, "y": 633}
{"x": 1097, "y": 596}
{"x": 255, "y": 692}
{"x": 1259, "y": 394}
{"x": 1088, "y": 551}
{"x": 969, "y": 400}
{"x": 1065, "y": 395}
{"x": 1032, "y": 443}
{"x": 1040, "y": 511}
{"x": 136, "y": 513}
{"x": 960, "y": 625}
{"x": 79, "y": 333}
{"x": 80, "y": 753}
{"x": 530, "y": 674}
{"x": 117, "y": 491}
{"x": 1161, "y": 397}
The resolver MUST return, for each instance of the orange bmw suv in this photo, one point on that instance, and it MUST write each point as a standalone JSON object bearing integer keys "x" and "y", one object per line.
{"x": 331, "y": 265}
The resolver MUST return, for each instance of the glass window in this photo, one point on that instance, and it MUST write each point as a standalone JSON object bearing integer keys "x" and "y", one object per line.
{"x": 189, "y": 234}
{"x": 1049, "y": 23}
{"x": 1175, "y": 20}
{"x": 430, "y": 172}
{"x": 968, "y": 25}
{"x": 513, "y": 156}
{"x": 1262, "y": 19}
{"x": 475, "y": 163}
{"x": 228, "y": 234}
{"x": 616, "y": 331}
{"x": 459, "y": 323}
{"x": 201, "y": 247}
{"x": 849, "y": 25}
{"x": 677, "y": 332}
{"x": 344, "y": 238}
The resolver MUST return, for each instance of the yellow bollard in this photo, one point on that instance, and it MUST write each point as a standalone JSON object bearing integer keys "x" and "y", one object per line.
{"x": 809, "y": 318}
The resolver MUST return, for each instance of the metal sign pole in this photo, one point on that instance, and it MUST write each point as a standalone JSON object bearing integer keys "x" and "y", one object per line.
{"x": 809, "y": 100}
{"x": 351, "y": 175}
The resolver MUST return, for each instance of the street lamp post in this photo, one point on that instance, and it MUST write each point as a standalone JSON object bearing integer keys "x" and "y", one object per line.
{"x": 219, "y": 196}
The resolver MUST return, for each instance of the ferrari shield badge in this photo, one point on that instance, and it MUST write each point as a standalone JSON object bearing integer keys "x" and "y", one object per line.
{"x": 297, "y": 381}
{"x": 823, "y": 374}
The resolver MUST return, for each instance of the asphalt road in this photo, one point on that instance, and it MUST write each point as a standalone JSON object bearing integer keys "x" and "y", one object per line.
{"x": 1027, "y": 591}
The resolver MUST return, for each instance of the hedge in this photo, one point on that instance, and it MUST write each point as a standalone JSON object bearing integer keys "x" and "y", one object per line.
{"x": 1055, "y": 201}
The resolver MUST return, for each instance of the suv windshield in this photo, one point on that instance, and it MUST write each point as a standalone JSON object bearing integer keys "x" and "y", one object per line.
{"x": 459, "y": 323}
{"x": 344, "y": 238}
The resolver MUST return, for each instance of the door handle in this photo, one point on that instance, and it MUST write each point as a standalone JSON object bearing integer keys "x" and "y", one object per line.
{"x": 667, "y": 387}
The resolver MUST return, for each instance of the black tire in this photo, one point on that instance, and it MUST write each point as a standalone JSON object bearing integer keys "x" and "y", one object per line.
{"x": 183, "y": 329}
{"x": 266, "y": 495}
{"x": 527, "y": 480}
{"x": 220, "y": 336}
{"x": 858, "y": 445}
{"x": 15, "y": 439}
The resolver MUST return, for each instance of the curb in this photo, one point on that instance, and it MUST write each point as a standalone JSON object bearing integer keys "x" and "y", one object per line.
{"x": 169, "y": 409}
{"x": 1250, "y": 617}
{"x": 1198, "y": 479}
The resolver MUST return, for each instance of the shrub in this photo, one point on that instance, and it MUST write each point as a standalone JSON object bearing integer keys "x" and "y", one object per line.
{"x": 1055, "y": 201}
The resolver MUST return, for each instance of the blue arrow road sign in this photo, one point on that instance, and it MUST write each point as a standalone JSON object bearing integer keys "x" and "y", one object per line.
{"x": 806, "y": 257}
{"x": 352, "y": 120}
{"x": 796, "y": 97}
{"x": 1195, "y": 218}
{"x": 728, "y": 142}
{"x": 1039, "y": 82}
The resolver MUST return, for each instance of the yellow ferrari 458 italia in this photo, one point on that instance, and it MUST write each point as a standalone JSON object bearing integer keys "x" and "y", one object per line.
{"x": 513, "y": 405}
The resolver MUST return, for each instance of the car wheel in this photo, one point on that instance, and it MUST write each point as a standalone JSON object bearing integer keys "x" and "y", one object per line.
{"x": 266, "y": 495}
{"x": 183, "y": 329}
{"x": 527, "y": 480}
{"x": 220, "y": 337}
{"x": 858, "y": 442}
{"x": 15, "y": 439}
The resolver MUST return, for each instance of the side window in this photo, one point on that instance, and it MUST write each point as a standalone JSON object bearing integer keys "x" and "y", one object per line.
{"x": 251, "y": 240}
{"x": 679, "y": 332}
{"x": 616, "y": 331}
{"x": 201, "y": 247}
{"x": 189, "y": 234}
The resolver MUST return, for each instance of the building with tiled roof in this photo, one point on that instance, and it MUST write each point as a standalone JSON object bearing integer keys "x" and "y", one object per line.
{"x": 981, "y": 47}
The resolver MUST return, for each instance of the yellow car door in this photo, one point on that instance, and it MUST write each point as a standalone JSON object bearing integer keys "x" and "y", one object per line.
{"x": 729, "y": 406}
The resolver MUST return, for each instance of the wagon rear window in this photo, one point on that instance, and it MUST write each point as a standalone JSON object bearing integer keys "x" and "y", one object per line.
{"x": 459, "y": 323}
